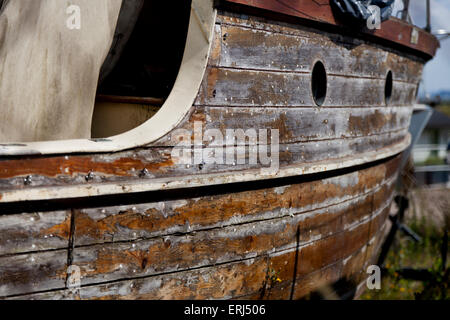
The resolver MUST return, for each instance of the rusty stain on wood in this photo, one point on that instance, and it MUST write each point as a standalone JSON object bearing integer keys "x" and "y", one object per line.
{"x": 61, "y": 230}
{"x": 54, "y": 166}
{"x": 372, "y": 122}
{"x": 21, "y": 233}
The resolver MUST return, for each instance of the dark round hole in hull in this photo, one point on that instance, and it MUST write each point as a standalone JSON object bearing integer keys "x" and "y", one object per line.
{"x": 388, "y": 88}
{"x": 319, "y": 83}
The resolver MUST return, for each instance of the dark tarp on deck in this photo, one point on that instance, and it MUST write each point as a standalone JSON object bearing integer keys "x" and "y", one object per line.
{"x": 358, "y": 12}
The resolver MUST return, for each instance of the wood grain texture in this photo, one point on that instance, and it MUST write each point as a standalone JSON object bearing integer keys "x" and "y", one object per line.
{"x": 108, "y": 262}
{"x": 33, "y": 272}
{"x": 236, "y": 87}
{"x": 302, "y": 124}
{"x": 393, "y": 30}
{"x": 31, "y": 232}
{"x": 188, "y": 248}
{"x": 242, "y": 279}
{"x": 144, "y": 221}
{"x": 61, "y": 171}
{"x": 252, "y": 44}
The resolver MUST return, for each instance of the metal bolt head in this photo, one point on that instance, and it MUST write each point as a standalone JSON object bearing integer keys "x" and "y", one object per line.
{"x": 144, "y": 172}
{"x": 89, "y": 176}
{"x": 27, "y": 180}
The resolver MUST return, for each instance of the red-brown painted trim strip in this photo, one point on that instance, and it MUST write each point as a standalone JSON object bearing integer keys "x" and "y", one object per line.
{"x": 393, "y": 30}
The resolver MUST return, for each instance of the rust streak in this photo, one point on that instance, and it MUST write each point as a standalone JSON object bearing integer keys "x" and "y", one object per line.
{"x": 370, "y": 123}
{"x": 58, "y": 166}
{"x": 61, "y": 230}
{"x": 280, "y": 124}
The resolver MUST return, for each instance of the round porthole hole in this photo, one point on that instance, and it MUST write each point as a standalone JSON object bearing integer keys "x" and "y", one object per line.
{"x": 388, "y": 88}
{"x": 319, "y": 83}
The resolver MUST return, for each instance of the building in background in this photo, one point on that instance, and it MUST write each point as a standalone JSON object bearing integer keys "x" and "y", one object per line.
{"x": 431, "y": 151}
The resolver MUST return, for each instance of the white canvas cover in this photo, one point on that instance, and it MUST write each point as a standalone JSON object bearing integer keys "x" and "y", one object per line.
{"x": 48, "y": 69}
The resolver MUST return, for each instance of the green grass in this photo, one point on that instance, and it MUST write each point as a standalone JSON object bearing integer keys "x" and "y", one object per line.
{"x": 406, "y": 253}
{"x": 432, "y": 161}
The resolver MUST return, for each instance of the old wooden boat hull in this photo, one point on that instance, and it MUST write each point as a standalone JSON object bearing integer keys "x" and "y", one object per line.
{"x": 136, "y": 225}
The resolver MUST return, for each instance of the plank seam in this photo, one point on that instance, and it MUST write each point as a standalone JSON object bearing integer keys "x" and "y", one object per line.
{"x": 336, "y": 75}
{"x": 187, "y": 270}
{"x": 386, "y": 182}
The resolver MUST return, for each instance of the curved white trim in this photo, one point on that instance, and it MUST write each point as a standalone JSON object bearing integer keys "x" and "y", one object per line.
{"x": 177, "y": 105}
{"x": 89, "y": 190}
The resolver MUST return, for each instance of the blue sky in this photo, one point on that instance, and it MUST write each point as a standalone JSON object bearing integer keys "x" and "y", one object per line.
{"x": 437, "y": 72}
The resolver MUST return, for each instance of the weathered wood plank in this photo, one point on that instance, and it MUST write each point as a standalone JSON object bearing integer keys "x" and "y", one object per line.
{"x": 393, "y": 30}
{"x": 74, "y": 169}
{"x": 249, "y": 279}
{"x": 354, "y": 266}
{"x": 373, "y": 249}
{"x": 321, "y": 150}
{"x": 108, "y": 262}
{"x": 303, "y": 152}
{"x": 253, "y": 280}
{"x": 21, "y": 233}
{"x": 298, "y": 124}
{"x": 218, "y": 282}
{"x": 351, "y": 270}
{"x": 127, "y": 166}
{"x": 161, "y": 218}
{"x": 307, "y": 284}
{"x": 244, "y": 88}
{"x": 246, "y": 279}
{"x": 33, "y": 272}
{"x": 329, "y": 250}
{"x": 281, "y": 48}
{"x": 375, "y": 243}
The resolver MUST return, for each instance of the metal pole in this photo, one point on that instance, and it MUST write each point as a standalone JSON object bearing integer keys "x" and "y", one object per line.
{"x": 428, "y": 27}
{"x": 405, "y": 9}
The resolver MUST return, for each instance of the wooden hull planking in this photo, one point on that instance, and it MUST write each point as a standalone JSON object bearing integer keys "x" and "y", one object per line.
{"x": 221, "y": 245}
{"x": 276, "y": 237}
